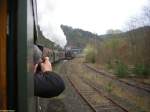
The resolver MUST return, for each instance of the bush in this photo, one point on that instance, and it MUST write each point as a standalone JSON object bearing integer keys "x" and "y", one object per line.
{"x": 90, "y": 54}
{"x": 109, "y": 65}
{"x": 121, "y": 70}
{"x": 141, "y": 70}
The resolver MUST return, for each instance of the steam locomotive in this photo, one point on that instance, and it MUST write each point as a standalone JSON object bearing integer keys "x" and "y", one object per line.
{"x": 54, "y": 55}
{"x": 44, "y": 47}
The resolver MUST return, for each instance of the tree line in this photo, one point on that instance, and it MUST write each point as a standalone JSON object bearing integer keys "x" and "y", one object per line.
{"x": 124, "y": 50}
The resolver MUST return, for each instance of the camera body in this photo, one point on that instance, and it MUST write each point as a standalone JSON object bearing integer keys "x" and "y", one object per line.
{"x": 37, "y": 58}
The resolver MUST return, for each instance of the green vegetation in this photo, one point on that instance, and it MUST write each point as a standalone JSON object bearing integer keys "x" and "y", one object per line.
{"x": 141, "y": 70}
{"x": 121, "y": 70}
{"x": 109, "y": 87}
{"x": 120, "y": 50}
{"x": 90, "y": 54}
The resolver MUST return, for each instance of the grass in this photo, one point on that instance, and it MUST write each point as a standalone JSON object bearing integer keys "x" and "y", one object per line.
{"x": 109, "y": 87}
{"x": 121, "y": 70}
{"x": 141, "y": 70}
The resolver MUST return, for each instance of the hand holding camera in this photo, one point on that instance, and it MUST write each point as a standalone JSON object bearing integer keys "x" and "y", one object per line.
{"x": 43, "y": 65}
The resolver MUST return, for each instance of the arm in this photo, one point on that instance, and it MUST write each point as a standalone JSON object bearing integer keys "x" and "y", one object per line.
{"x": 47, "y": 83}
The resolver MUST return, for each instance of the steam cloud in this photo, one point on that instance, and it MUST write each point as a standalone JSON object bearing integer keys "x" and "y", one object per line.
{"x": 47, "y": 21}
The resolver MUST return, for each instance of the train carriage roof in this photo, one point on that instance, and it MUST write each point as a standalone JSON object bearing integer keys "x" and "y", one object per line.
{"x": 42, "y": 41}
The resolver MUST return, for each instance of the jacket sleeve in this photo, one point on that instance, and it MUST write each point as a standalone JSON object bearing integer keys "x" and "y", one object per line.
{"x": 48, "y": 84}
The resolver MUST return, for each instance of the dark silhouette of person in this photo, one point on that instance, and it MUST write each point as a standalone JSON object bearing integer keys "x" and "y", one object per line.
{"x": 47, "y": 83}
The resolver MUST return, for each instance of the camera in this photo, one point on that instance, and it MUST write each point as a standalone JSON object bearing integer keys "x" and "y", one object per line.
{"x": 39, "y": 65}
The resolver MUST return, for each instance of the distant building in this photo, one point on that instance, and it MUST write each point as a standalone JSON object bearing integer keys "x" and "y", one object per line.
{"x": 76, "y": 50}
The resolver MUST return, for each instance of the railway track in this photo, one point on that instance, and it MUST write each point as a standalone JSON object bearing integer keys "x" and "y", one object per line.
{"x": 96, "y": 100}
{"x": 120, "y": 80}
{"x": 144, "y": 83}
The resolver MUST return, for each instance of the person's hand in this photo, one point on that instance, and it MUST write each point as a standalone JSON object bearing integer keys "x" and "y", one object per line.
{"x": 46, "y": 65}
{"x": 36, "y": 65}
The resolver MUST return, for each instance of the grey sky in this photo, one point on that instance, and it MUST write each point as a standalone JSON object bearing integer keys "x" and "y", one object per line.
{"x": 96, "y": 16}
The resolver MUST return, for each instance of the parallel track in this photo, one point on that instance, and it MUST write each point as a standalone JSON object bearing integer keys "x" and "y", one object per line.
{"x": 114, "y": 78}
{"x": 111, "y": 105}
{"x": 144, "y": 83}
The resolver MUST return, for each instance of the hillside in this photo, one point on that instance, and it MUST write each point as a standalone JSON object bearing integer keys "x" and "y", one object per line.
{"x": 78, "y": 38}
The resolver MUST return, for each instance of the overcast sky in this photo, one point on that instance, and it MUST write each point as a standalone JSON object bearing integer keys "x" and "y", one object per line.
{"x": 96, "y": 16}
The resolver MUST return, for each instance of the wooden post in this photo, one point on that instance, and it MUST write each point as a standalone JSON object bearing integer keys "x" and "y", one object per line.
{"x": 3, "y": 55}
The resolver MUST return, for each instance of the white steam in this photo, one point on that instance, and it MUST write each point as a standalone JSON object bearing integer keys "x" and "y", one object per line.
{"x": 48, "y": 22}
